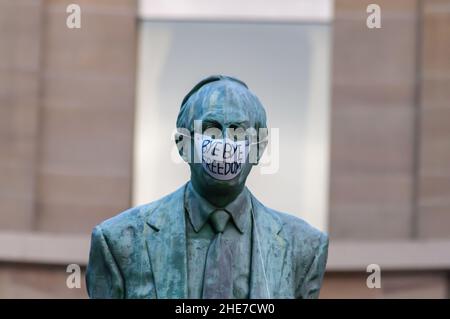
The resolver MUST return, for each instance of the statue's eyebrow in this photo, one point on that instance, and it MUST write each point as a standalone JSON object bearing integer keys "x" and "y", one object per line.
{"x": 237, "y": 124}
{"x": 212, "y": 122}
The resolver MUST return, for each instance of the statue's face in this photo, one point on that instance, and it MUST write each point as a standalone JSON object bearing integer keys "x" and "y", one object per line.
{"x": 217, "y": 123}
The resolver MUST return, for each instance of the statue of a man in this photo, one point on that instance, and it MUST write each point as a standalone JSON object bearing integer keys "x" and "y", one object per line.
{"x": 211, "y": 238}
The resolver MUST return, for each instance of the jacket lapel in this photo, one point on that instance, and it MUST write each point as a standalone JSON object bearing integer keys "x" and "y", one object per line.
{"x": 166, "y": 245}
{"x": 268, "y": 253}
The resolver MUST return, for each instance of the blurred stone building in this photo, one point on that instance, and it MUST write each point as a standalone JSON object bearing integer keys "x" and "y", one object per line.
{"x": 68, "y": 125}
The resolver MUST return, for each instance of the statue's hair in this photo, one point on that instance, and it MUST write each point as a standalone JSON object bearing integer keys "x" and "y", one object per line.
{"x": 184, "y": 119}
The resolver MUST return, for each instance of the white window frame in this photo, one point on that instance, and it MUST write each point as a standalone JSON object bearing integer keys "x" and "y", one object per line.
{"x": 319, "y": 11}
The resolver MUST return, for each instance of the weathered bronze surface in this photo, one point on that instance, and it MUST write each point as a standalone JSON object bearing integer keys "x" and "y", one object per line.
{"x": 148, "y": 251}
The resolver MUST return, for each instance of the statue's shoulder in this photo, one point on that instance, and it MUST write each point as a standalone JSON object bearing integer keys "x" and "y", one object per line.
{"x": 133, "y": 219}
{"x": 298, "y": 225}
{"x": 305, "y": 238}
{"x": 297, "y": 229}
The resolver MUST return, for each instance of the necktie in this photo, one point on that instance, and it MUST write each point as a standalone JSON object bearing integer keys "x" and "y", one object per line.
{"x": 217, "y": 283}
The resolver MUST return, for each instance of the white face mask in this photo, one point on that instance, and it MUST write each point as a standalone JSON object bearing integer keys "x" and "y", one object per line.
{"x": 223, "y": 159}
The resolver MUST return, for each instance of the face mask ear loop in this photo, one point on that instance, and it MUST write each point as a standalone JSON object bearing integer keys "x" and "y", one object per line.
{"x": 260, "y": 256}
{"x": 256, "y": 143}
{"x": 181, "y": 134}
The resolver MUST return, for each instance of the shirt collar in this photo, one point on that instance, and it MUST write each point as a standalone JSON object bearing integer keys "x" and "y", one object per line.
{"x": 199, "y": 209}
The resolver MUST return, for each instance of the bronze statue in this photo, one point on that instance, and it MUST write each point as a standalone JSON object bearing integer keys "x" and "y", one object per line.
{"x": 211, "y": 238}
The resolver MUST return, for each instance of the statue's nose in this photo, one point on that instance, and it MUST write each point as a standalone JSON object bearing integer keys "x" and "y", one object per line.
{"x": 225, "y": 133}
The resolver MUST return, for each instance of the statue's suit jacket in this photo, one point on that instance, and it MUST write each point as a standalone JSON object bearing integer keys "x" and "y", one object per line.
{"x": 141, "y": 253}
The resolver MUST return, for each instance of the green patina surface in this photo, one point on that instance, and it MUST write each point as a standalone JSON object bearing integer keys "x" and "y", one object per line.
{"x": 142, "y": 252}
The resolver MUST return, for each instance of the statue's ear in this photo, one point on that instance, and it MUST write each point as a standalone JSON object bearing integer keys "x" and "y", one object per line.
{"x": 183, "y": 143}
{"x": 261, "y": 148}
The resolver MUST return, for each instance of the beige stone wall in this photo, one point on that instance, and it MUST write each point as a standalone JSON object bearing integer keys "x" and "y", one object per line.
{"x": 373, "y": 121}
{"x": 390, "y": 149}
{"x": 66, "y": 127}
{"x": 20, "y": 67}
{"x": 67, "y": 110}
{"x": 434, "y": 131}
{"x": 22, "y": 280}
{"x": 400, "y": 284}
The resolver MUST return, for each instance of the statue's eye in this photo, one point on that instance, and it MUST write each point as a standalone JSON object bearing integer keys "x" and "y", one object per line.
{"x": 211, "y": 124}
{"x": 236, "y": 132}
{"x": 212, "y": 129}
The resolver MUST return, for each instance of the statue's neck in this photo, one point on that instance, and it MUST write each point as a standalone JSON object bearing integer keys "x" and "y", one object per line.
{"x": 215, "y": 198}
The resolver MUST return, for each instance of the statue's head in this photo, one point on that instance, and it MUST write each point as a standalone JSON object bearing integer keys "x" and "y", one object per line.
{"x": 221, "y": 133}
